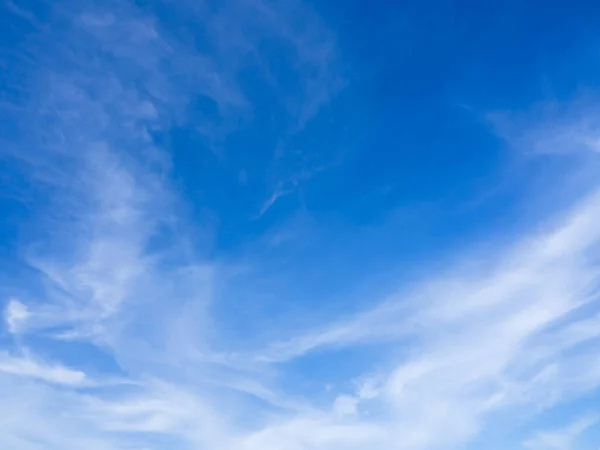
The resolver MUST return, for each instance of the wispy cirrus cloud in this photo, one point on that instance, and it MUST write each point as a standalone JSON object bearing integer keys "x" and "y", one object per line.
{"x": 564, "y": 438}
{"x": 27, "y": 367}
{"x": 15, "y": 313}
{"x": 112, "y": 267}
{"x": 552, "y": 128}
{"x": 502, "y": 335}
{"x": 122, "y": 286}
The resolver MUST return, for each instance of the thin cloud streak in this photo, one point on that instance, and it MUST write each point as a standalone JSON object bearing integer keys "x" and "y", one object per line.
{"x": 561, "y": 439}
{"x": 27, "y": 367}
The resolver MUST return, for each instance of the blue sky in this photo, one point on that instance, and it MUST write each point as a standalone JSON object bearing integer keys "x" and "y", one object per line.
{"x": 286, "y": 225}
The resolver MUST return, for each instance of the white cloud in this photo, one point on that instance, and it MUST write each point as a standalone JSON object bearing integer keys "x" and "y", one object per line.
{"x": 561, "y": 439}
{"x": 25, "y": 366}
{"x": 502, "y": 338}
{"x": 345, "y": 405}
{"x": 502, "y": 335}
{"x": 108, "y": 77}
{"x": 15, "y": 314}
{"x": 552, "y": 128}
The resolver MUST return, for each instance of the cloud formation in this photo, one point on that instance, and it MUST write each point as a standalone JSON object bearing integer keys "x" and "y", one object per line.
{"x": 561, "y": 439}
{"x": 114, "y": 329}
